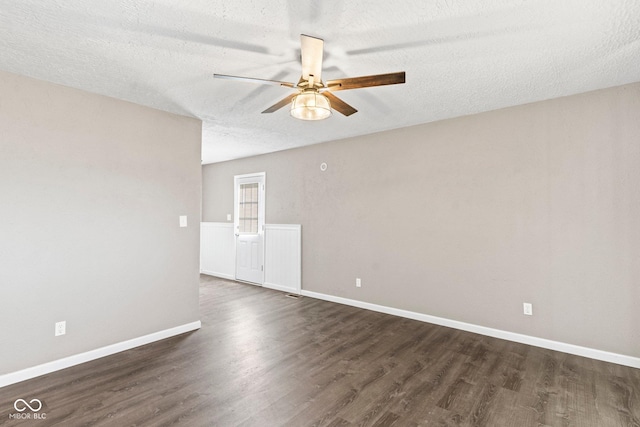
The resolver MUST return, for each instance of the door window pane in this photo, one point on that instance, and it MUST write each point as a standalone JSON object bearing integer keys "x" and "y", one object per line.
{"x": 248, "y": 208}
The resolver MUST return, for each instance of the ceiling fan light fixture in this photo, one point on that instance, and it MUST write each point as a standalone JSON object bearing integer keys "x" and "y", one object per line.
{"x": 310, "y": 105}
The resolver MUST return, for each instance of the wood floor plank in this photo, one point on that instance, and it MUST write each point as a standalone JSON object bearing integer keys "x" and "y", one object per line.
{"x": 262, "y": 359}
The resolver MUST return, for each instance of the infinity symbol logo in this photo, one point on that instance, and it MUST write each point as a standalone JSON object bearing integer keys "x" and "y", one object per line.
{"x": 26, "y": 405}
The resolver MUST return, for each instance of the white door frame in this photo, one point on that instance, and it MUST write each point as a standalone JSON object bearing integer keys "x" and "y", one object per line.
{"x": 261, "y": 219}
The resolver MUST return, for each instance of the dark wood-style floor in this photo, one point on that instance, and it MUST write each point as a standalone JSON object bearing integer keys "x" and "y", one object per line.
{"x": 263, "y": 359}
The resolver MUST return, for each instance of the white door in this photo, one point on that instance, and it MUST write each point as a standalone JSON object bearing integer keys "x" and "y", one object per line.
{"x": 249, "y": 227}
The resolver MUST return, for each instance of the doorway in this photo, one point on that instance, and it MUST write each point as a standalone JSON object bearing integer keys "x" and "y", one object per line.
{"x": 249, "y": 209}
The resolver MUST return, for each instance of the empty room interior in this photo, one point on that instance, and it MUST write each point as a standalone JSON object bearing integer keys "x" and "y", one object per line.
{"x": 296, "y": 213}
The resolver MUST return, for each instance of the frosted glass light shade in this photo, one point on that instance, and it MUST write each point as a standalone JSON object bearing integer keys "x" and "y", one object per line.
{"x": 310, "y": 105}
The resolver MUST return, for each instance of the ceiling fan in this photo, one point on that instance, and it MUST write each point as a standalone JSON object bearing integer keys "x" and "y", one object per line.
{"x": 313, "y": 99}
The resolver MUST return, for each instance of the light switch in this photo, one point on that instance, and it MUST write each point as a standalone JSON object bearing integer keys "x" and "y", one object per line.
{"x": 183, "y": 220}
{"x": 228, "y": 217}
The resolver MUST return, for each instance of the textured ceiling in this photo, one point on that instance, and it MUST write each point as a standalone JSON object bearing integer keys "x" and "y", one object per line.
{"x": 461, "y": 57}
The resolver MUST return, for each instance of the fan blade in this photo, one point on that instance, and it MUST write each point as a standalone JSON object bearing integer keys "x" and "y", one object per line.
{"x": 252, "y": 80}
{"x": 339, "y": 105}
{"x": 365, "y": 81}
{"x": 278, "y": 105}
{"x": 311, "y": 51}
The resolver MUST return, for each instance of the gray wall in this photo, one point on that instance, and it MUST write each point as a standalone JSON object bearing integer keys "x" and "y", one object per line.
{"x": 91, "y": 189}
{"x": 468, "y": 218}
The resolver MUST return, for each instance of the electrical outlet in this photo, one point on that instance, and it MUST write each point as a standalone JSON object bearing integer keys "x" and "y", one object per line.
{"x": 61, "y": 328}
{"x": 528, "y": 308}
{"x": 358, "y": 282}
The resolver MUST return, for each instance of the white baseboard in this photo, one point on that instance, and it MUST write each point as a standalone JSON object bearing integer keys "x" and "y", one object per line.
{"x": 220, "y": 275}
{"x": 591, "y": 353}
{"x": 281, "y": 288}
{"x": 76, "y": 359}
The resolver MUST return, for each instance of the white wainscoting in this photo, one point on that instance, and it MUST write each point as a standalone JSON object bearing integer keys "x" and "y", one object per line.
{"x": 283, "y": 257}
{"x": 217, "y": 249}
{"x": 282, "y": 260}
